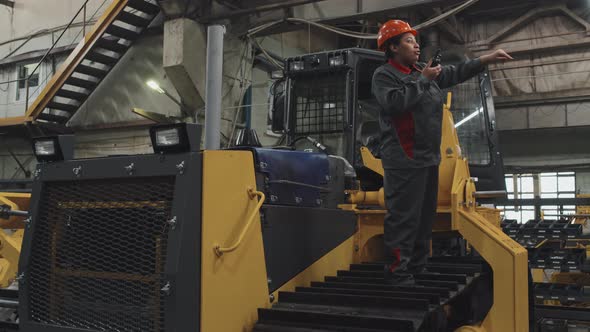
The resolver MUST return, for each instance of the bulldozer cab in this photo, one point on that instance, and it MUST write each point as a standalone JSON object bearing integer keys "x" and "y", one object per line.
{"x": 328, "y": 100}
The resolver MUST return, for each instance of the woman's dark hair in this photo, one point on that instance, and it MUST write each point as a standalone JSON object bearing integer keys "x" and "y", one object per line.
{"x": 392, "y": 41}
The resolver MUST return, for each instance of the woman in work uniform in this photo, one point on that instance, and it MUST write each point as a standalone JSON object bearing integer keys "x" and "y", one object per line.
{"x": 411, "y": 101}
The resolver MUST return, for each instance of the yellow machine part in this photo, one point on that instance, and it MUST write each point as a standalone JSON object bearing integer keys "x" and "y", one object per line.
{"x": 233, "y": 264}
{"x": 471, "y": 329}
{"x": 233, "y": 285}
{"x": 339, "y": 258}
{"x": 457, "y": 210}
{"x": 11, "y": 236}
{"x": 16, "y": 201}
{"x": 582, "y": 210}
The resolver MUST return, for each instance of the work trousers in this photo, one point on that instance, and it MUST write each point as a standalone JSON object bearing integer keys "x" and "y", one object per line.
{"x": 410, "y": 197}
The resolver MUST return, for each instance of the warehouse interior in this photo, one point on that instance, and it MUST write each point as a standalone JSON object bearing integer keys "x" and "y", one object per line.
{"x": 102, "y": 74}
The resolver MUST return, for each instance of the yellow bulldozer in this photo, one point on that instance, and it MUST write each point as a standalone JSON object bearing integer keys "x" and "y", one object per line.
{"x": 286, "y": 238}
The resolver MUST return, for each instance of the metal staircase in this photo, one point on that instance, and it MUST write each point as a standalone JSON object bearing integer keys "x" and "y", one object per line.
{"x": 91, "y": 61}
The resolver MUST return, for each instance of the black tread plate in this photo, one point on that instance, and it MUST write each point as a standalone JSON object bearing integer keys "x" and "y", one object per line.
{"x": 359, "y": 300}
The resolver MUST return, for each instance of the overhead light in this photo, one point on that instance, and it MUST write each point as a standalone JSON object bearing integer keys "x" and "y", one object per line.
{"x": 54, "y": 148}
{"x": 337, "y": 60}
{"x": 155, "y": 86}
{"x": 296, "y": 65}
{"x": 469, "y": 117}
{"x": 176, "y": 138}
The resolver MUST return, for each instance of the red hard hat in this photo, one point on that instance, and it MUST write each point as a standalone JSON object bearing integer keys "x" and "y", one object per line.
{"x": 391, "y": 29}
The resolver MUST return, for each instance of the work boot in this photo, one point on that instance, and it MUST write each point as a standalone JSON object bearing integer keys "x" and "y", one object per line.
{"x": 417, "y": 270}
{"x": 397, "y": 278}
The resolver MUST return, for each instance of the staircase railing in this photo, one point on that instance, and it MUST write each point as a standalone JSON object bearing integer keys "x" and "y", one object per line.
{"x": 31, "y": 91}
{"x": 82, "y": 11}
{"x": 48, "y": 52}
{"x": 75, "y": 58}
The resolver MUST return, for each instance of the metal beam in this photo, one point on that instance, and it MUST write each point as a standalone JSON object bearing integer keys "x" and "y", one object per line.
{"x": 559, "y": 312}
{"x": 521, "y": 21}
{"x": 382, "y": 13}
{"x": 584, "y": 41}
{"x": 14, "y": 121}
{"x": 8, "y": 3}
{"x": 543, "y": 201}
{"x": 452, "y": 30}
{"x": 257, "y": 9}
{"x": 181, "y": 8}
{"x": 445, "y": 15}
{"x": 36, "y": 54}
{"x": 529, "y": 17}
{"x": 543, "y": 98}
{"x": 375, "y": 15}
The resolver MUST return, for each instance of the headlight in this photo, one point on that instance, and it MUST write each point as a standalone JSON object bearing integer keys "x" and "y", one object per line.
{"x": 167, "y": 137}
{"x": 337, "y": 60}
{"x": 54, "y": 148}
{"x": 296, "y": 65}
{"x": 176, "y": 138}
{"x": 45, "y": 147}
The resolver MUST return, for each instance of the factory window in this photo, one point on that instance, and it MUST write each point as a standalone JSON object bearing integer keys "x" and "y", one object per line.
{"x": 525, "y": 188}
{"x": 510, "y": 186}
{"x": 551, "y": 185}
{"x": 519, "y": 213}
{"x": 557, "y": 185}
{"x": 24, "y": 70}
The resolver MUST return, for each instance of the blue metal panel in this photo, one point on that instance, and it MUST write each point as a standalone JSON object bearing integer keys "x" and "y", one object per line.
{"x": 292, "y": 177}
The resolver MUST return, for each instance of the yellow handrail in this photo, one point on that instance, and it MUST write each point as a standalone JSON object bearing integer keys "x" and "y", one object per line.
{"x": 253, "y": 194}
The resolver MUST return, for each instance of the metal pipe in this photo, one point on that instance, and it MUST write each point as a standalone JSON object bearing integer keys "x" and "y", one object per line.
{"x": 84, "y": 22}
{"x": 16, "y": 190}
{"x": 14, "y": 81}
{"x": 17, "y": 213}
{"x": 568, "y": 215}
{"x": 213, "y": 86}
{"x": 6, "y": 303}
{"x": 248, "y": 109}
{"x": 27, "y": 93}
{"x": 6, "y": 212}
{"x": 490, "y": 194}
{"x": 367, "y": 197}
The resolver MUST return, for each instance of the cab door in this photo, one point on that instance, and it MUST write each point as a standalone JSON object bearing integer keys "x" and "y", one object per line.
{"x": 475, "y": 122}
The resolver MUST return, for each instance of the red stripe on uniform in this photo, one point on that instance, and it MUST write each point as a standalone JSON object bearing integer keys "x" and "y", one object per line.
{"x": 398, "y": 259}
{"x": 404, "y": 124}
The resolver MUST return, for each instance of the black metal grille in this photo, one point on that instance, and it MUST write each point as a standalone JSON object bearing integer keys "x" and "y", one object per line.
{"x": 319, "y": 103}
{"x": 98, "y": 254}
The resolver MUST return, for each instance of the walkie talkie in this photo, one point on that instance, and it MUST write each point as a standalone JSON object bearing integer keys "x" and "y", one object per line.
{"x": 436, "y": 59}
